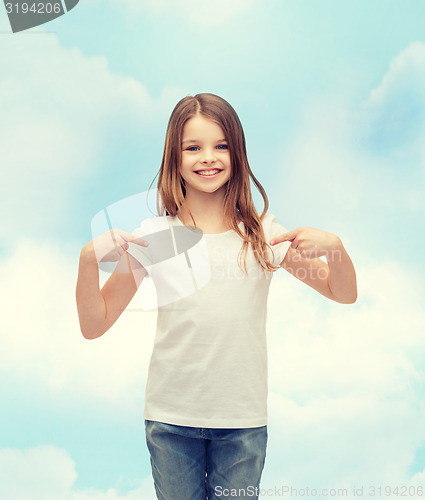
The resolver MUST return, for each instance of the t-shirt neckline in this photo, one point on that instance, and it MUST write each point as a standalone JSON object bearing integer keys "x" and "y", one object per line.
{"x": 175, "y": 218}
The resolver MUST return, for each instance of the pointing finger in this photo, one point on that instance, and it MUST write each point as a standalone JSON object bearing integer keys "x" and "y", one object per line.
{"x": 290, "y": 235}
{"x": 125, "y": 236}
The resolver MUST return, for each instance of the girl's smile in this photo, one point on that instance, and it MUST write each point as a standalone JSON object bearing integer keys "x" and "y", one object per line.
{"x": 209, "y": 174}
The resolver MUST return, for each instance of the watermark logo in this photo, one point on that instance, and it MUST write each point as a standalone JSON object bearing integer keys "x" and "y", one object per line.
{"x": 24, "y": 15}
{"x": 176, "y": 256}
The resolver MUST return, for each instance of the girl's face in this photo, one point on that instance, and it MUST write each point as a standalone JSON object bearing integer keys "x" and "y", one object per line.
{"x": 204, "y": 148}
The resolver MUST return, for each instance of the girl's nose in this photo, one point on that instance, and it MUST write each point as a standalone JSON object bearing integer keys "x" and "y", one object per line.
{"x": 208, "y": 157}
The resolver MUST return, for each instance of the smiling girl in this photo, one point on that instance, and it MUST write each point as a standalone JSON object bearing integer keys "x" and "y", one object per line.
{"x": 206, "y": 393}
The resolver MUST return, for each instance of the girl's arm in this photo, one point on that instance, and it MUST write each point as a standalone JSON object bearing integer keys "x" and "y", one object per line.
{"x": 99, "y": 310}
{"x": 90, "y": 303}
{"x": 335, "y": 280}
{"x": 342, "y": 275}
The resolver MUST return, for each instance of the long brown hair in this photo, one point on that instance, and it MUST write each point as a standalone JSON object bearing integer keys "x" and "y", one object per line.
{"x": 238, "y": 204}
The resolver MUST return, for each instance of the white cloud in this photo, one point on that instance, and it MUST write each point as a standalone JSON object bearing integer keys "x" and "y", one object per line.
{"x": 346, "y": 381}
{"x": 406, "y": 75}
{"x": 56, "y": 118}
{"x": 392, "y": 121}
{"x": 59, "y": 110}
{"x": 48, "y": 473}
{"x": 360, "y": 157}
{"x": 320, "y": 161}
{"x": 393, "y": 115}
{"x": 41, "y": 338}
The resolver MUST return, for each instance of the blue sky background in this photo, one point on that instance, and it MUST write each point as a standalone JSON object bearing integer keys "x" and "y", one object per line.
{"x": 331, "y": 95}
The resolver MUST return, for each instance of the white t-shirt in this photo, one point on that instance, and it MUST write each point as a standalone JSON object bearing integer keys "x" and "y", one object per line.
{"x": 209, "y": 362}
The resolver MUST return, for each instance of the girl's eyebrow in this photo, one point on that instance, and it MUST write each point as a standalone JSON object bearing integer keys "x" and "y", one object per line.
{"x": 200, "y": 142}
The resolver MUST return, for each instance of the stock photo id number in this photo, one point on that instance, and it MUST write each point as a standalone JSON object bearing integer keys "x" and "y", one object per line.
{"x": 25, "y": 15}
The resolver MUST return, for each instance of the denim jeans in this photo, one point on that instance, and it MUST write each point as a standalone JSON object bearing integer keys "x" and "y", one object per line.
{"x": 193, "y": 463}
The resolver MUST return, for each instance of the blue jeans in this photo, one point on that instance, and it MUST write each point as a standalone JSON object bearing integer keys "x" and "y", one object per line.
{"x": 193, "y": 463}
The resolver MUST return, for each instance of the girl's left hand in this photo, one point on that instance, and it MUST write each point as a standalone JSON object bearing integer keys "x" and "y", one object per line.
{"x": 309, "y": 242}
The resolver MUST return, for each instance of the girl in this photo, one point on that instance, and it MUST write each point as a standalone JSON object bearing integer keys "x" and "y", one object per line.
{"x": 206, "y": 393}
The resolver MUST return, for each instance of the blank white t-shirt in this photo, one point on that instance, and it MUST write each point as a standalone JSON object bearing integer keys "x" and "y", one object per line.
{"x": 209, "y": 361}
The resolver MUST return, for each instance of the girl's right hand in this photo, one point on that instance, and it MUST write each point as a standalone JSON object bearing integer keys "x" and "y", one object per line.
{"x": 111, "y": 245}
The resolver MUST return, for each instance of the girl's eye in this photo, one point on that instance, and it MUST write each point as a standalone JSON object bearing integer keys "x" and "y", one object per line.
{"x": 190, "y": 148}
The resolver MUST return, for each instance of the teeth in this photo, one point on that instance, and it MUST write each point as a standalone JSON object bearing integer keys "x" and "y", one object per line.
{"x": 208, "y": 172}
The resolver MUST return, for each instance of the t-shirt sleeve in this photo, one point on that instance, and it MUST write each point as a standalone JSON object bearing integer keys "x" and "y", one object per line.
{"x": 272, "y": 229}
{"x": 140, "y": 253}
